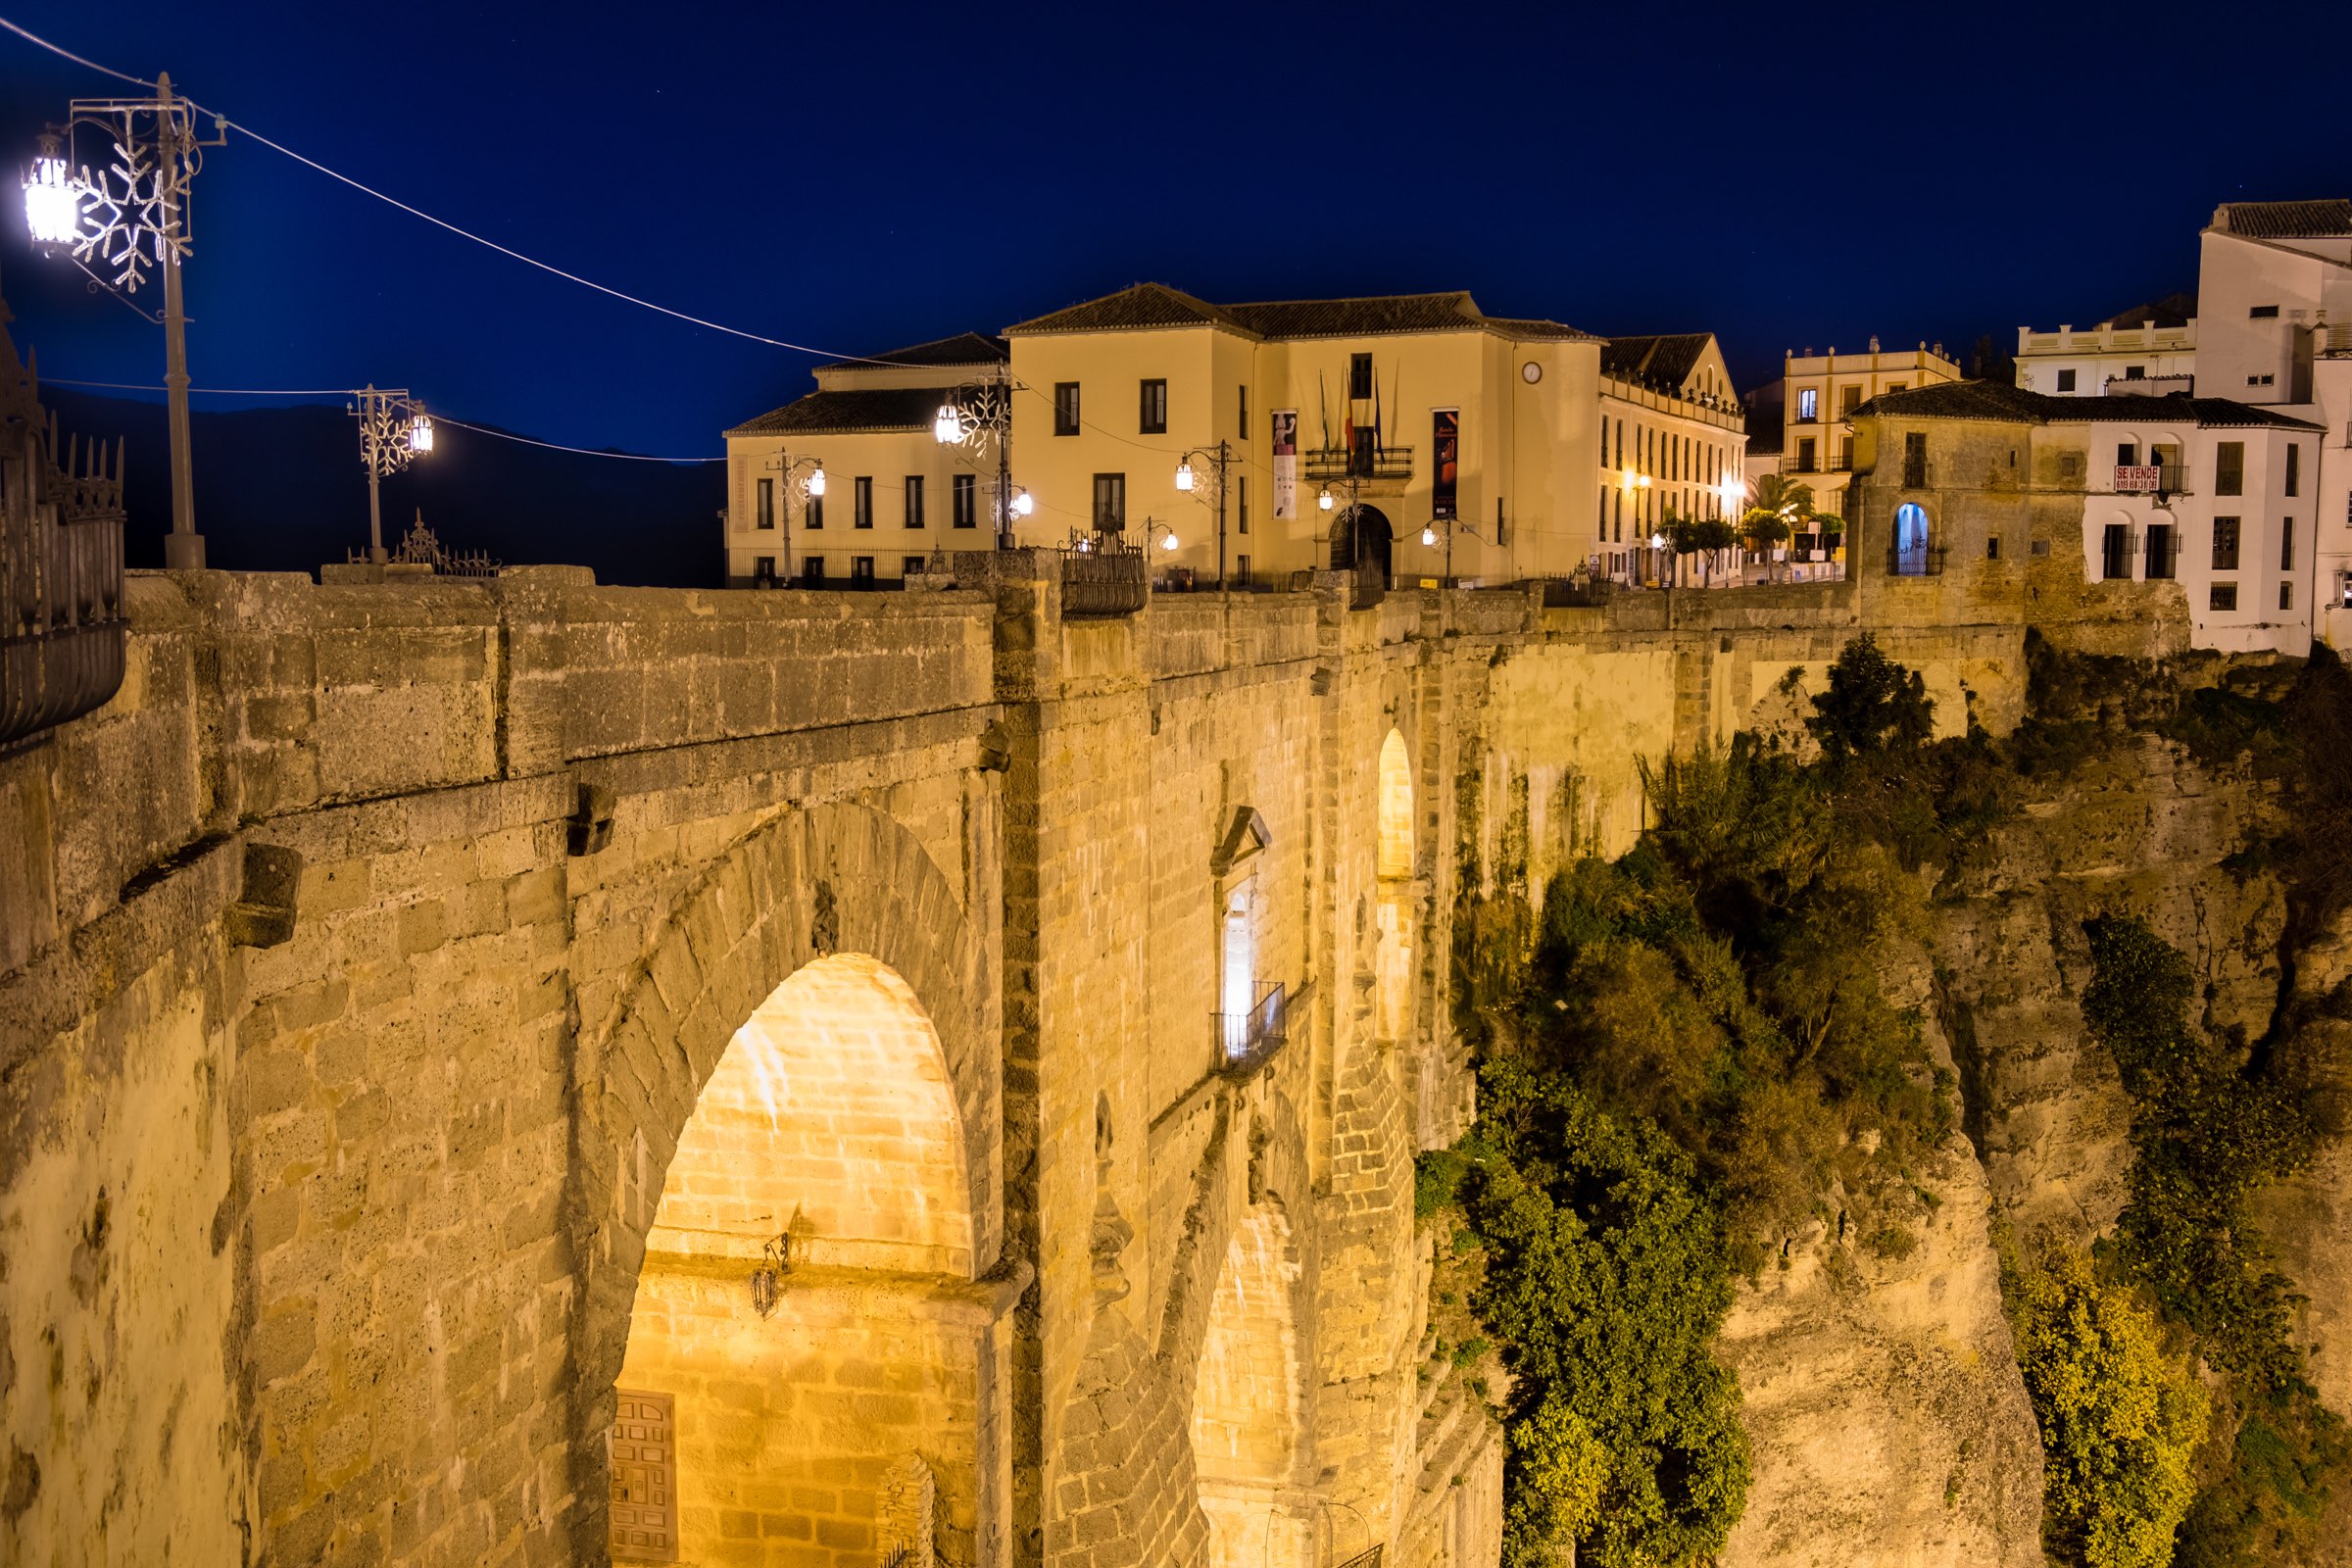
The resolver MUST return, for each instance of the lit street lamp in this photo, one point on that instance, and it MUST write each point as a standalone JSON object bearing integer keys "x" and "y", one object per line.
{"x": 1220, "y": 459}
{"x": 1451, "y": 526}
{"x": 127, "y": 218}
{"x": 810, "y": 472}
{"x": 394, "y": 432}
{"x": 980, "y": 412}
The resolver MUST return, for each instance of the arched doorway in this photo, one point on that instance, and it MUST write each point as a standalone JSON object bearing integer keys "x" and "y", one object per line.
{"x": 1251, "y": 1458}
{"x": 783, "y": 1322}
{"x": 1911, "y": 550}
{"x": 1362, "y": 537}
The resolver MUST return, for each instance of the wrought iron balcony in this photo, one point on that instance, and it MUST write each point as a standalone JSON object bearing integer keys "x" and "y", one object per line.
{"x": 1367, "y": 585}
{"x": 1337, "y": 463}
{"x": 1246, "y": 1040}
{"x": 1103, "y": 580}
{"x": 1919, "y": 561}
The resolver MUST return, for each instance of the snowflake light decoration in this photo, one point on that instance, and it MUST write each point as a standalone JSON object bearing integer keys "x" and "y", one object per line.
{"x": 130, "y": 213}
{"x": 981, "y": 410}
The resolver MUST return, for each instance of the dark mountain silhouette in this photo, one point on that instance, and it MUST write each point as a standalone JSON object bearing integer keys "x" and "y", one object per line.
{"x": 282, "y": 490}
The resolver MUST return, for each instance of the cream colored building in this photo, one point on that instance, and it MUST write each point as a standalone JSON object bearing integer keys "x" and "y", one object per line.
{"x": 1414, "y": 433}
{"x": 1673, "y": 441}
{"x": 1821, "y": 391}
{"x": 2148, "y": 351}
{"x": 893, "y": 494}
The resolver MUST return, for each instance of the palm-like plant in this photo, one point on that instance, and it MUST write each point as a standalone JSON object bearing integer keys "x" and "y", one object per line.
{"x": 1783, "y": 507}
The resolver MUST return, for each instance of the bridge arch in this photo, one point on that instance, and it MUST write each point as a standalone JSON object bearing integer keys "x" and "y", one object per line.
{"x": 1252, "y": 1453}
{"x": 806, "y": 1059}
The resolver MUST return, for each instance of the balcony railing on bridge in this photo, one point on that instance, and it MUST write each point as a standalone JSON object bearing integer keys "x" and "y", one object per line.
{"x": 1247, "y": 1040}
{"x": 1363, "y": 463}
{"x": 61, "y": 624}
{"x": 1916, "y": 561}
{"x": 1102, "y": 579}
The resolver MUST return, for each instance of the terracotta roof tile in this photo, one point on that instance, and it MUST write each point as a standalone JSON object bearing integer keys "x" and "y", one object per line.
{"x": 2327, "y": 218}
{"x": 897, "y": 408}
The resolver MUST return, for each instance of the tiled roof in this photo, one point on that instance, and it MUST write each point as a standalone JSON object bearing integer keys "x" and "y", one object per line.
{"x": 1155, "y": 305}
{"x": 1670, "y": 357}
{"x": 964, "y": 348}
{"x": 896, "y": 407}
{"x": 2327, "y": 218}
{"x": 1998, "y": 400}
{"x": 1140, "y": 306}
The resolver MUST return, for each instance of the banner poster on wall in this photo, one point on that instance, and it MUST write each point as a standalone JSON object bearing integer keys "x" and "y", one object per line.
{"x": 1446, "y": 443}
{"x": 1286, "y": 463}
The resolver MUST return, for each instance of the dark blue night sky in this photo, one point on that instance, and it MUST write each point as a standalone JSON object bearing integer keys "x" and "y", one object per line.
{"x": 864, "y": 175}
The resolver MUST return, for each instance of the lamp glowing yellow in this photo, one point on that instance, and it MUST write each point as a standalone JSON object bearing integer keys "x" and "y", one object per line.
{"x": 1324, "y": 500}
{"x": 1184, "y": 475}
{"x": 817, "y": 482}
{"x": 420, "y": 435}
{"x": 52, "y": 202}
{"x": 1167, "y": 542}
{"x": 1022, "y": 504}
{"x": 1429, "y": 536}
{"x": 946, "y": 428}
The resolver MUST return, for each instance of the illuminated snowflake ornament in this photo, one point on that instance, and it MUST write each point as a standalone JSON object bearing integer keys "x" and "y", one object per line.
{"x": 131, "y": 213}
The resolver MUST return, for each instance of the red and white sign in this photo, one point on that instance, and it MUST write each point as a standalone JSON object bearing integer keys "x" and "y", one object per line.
{"x": 2137, "y": 479}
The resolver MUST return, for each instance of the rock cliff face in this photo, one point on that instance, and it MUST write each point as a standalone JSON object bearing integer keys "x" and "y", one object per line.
{"x": 1889, "y": 1419}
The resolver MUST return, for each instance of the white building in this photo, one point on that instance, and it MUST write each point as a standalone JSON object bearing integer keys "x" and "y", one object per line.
{"x": 1674, "y": 442}
{"x": 2148, "y": 350}
{"x": 2274, "y": 307}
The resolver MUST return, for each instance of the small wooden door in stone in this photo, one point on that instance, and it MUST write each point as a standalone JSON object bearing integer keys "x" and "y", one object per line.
{"x": 644, "y": 1445}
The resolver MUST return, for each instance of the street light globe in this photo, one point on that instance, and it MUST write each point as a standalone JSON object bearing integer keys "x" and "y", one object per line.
{"x": 52, "y": 202}
{"x": 817, "y": 482}
{"x": 420, "y": 435}
{"x": 1657, "y": 541}
{"x": 1022, "y": 504}
{"x": 946, "y": 428}
{"x": 1429, "y": 536}
{"x": 1324, "y": 500}
{"x": 1184, "y": 475}
{"x": 1733, "y": 494}
{"x": 1167, "y": 541}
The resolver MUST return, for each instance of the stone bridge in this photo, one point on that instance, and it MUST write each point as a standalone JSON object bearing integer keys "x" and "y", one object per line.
{"x": 533, "y": 1072}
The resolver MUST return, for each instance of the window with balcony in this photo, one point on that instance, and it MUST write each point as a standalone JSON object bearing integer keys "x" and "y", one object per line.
{"x": 1065, "y": 407}
{"x": 2229, "y": 468}
{"x": 1804, "y": 454}
{"x": 2225, "y": 544}
{"x": 1111, "y": 501}
{"x": 914, "y": 500}
{"x": 1808, "y": 406}
{"x": 964, "y": 501}
{"x": 767, "y": 505}
{"x": 1154, "y": 417}
{"x": 1849, "y": 400}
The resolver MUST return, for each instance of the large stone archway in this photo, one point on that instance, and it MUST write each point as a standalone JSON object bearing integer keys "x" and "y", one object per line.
{"x": 1252, "y": 1453}
{"x": 816, "y": 1012}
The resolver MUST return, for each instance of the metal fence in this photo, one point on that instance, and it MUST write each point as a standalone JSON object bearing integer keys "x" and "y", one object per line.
{"x": 1103, "y": 580}
{"x": 61, "y": 625}
{"x": 1246, "y": 1039}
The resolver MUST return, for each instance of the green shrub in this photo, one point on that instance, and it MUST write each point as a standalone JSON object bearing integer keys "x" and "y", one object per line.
{"x": 1873, "y": 704}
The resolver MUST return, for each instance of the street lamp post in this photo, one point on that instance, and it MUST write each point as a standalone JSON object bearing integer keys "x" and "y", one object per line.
{"x": 1453, "y": 525}
{"x": 983, "y": 412}
{"x": 394, "y": 432}
{"x": 130, "y": 217}
{"x": 812, "y": 473}
{"x": 1221, "y": 457}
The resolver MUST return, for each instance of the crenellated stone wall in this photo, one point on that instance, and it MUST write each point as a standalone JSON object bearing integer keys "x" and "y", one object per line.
{"x": 332, "y": 1242}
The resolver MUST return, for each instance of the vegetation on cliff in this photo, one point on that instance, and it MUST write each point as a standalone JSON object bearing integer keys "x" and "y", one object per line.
{"x": 1696, "y": 1068}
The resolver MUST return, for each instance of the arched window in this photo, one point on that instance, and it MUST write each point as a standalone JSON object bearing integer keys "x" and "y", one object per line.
{"x": 1912, "y": 553}
{"x": 1395, "y": 809}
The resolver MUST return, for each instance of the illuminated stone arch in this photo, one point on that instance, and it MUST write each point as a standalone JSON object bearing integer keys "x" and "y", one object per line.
{"x": 1252, "y": 1454}
{"x": 1395, "y": 819}
{"x": 805, "y": 1053}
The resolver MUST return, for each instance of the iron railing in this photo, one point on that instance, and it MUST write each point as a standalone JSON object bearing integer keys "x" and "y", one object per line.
{"x": 1103, "y": 580}
{"x": 1246, "y": 1039}
{"x": 1562, "y": 593}
{"x": 1918, "y": 561}
{"x": 61, "y": 625}
{"x": 1339, "y": 462}
{"x": 1367, "y": 585}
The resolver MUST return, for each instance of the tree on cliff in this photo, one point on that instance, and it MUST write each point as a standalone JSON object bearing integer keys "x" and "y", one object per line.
{"x": 1872, "y": 705}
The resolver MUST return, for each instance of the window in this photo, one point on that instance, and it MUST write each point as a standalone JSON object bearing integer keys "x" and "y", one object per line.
{"x": 861, "y": 571}
{"x": 1808, "y": 406}
{"x": 2295, "y": 468}
{"x": 2225, "y": 544}
{"x": 2066, "y": 380}
{"x": 1895, "y": 386}
{"x": 768, "y": 503}
{"x": 1849, "y": 400}
{"x": 1240, "y": 570}
{"x": 1845, "y": 454}
{"x": 1993, "y": 546}
{"x": 914, "y": 500}
{"x": 2127, "y": 454}
{"x": 2263, "y": 312}
{"x": 1242, "y": 495}
{"x": 964, "y": 501}
{"x": 2222, "y": 596}
{"x": 2135, "y": 373}
{"x": 1915, "y": 459}
{"x": 2164, "y": 546}
{"x": 1154, "y": 420}
{"x": 912, "y": 565}
{"x": 2286, "y": 596}
{"x": 1804, "y": 454}
{"x": 1111, "y": 501}
{"x": 861, "y": 502}
{"x": 813, "y": 516}
{"x": 2115, "y": 552}
{"x": 1242, "y": 406}
{"x": 1620, "y": 444}
{"x": 812, "y": 571}
{"x": 1065, "y": 407}
{"x": 1359, "y": 376}
{"x": 2286, "y": 544}
{"x": 763, "y": 568}
{"x": 2229, "y": 468}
